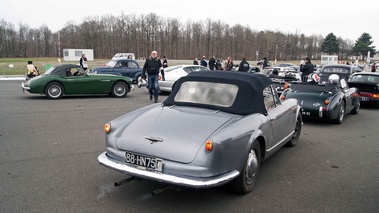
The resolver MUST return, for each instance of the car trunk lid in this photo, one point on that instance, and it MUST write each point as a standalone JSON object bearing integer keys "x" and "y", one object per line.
{"x": 171, "y": 133}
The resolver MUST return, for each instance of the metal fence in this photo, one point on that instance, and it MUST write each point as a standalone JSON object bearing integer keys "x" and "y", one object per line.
{"x": 19, "y": 68}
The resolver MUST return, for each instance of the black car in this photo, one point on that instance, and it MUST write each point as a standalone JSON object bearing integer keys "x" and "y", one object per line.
{"x": 368, "y": 85}
{"x": 330, "y": 101}
{"x": 342, "y": 70}
{"x": 126, "y": 67}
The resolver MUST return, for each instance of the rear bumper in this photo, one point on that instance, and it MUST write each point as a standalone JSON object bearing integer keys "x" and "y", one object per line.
{"x": 194, "y": 182}
{"x": 23, "y": 87}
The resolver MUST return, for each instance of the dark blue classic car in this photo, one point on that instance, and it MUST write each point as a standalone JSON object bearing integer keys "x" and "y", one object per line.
{"x": 126, "y": 67}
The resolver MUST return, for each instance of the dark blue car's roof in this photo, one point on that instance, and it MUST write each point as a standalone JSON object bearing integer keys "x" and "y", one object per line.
{"x": 249, "y": 98}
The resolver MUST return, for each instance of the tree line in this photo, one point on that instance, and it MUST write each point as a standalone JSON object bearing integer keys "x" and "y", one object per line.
{"x": 141, "y": 34}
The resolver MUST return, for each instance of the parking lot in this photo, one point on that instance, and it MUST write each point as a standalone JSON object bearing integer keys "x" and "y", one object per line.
{"x": 49, "y": 149}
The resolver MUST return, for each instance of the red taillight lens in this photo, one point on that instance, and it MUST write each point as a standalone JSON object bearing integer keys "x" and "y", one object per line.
{"x": 209, "y": 145}
{"x": 107, "y": 128}
{"x": 159, "y": 78}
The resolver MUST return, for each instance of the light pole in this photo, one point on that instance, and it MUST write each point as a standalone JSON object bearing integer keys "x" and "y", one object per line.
{"x": 276, "y": 52}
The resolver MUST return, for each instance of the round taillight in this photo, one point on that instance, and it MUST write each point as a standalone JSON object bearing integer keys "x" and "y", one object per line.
{"x": 107, "y": 128}
{"x": 282, "y": 97}
{"x": 209, "y": 145}
{"x": 327, "y": 101}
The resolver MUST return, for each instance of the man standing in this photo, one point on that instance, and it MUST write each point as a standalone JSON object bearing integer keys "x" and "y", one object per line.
{"x": 373, "y": 67}
{"x": 212, "y": 63}
{"x": 244, "y": 65}
{"x": 306, "y": 69}
{"x": 152, "y": 66}
{"x": 203, "y": 62}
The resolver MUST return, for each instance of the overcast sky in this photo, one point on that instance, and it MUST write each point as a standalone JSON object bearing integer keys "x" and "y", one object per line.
{"x": 321, "y": 17}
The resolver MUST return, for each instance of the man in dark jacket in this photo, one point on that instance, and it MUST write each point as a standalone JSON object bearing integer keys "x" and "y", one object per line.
{"x": 152, "y": 66}
{"x": 212, "y": 63}
{"x": 203, "y": 62}
{"x": 306, "y": 69}
{"x": 244, "y": 65}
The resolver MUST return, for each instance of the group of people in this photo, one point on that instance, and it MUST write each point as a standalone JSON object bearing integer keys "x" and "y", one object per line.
{"x": 216, "y": 64}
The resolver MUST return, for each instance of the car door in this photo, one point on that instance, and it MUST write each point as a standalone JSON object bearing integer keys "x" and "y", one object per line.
{"x": 78, "y": 84}
{"x": 278, "y": 115}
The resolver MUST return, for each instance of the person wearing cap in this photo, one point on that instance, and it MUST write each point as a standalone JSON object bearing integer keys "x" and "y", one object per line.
{"x": 306, "y": 69}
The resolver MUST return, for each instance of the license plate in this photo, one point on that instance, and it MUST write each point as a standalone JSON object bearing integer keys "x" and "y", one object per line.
{"x": 144, "y": 162}
{"x": 306, "y": 113}
{"x": 363, "y": 98}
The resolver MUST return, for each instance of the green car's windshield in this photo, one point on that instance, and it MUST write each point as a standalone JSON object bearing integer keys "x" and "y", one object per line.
{"x": 48, "y": 72}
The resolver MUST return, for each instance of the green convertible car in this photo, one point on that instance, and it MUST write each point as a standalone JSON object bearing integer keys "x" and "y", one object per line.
{"x": 70, "y": 79}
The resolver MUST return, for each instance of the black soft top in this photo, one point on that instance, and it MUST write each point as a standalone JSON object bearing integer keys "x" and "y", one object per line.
{"x": 249, "y": 98}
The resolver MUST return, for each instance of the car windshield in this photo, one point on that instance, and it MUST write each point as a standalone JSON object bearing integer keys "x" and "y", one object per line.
{"x": 48, "y": 72}
{"x": 112, "y": 63}
{"x": 335, "y": 70}
{"x": 210, "y": 93}
{"x": 365, "y": 78}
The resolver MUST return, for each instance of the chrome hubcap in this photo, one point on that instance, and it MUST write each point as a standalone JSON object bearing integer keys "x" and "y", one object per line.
{"x": 251, "y": 167}
{"x": 120, "y": 90}
{"x": 54, "y": 91}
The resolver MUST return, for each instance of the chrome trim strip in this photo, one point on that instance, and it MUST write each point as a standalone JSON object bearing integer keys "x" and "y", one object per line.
{"x": 320, "y": 112}
{"x": 188, "y": 182}
{"x": 285, "y": 139}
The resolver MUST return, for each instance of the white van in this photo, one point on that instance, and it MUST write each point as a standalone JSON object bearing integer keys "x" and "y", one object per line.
{"x": 124, "y": 56}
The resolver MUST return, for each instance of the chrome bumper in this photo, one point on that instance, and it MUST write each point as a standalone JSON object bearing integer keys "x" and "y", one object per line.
{"x": 23, "y": 87}
{"x": 181, "y": 181}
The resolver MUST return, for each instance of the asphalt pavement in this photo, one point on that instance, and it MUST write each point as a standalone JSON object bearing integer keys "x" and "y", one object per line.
{"x": 49, "y": 149}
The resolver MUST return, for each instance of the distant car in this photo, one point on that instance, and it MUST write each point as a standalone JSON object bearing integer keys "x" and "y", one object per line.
{"x": 329, "y": 101}
{"x": 254, "y": 69}
{"x": 368, "y": 85}
{"x": 286, "y": 71}
{"x": 70, "y": 79}
{"x": 342, "y": 70}
{"x": 125, "y": 67}
{"x": 216, "y": 127}
{"x": 124, "y": 56}
{"x": 173, "y": 73}
{"x": 288, "y": 65}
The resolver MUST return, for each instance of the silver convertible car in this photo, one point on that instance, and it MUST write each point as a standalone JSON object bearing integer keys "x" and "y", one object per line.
{"x": 214, "y": 128}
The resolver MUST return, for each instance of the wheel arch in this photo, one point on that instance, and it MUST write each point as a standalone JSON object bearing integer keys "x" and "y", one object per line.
{"x": 123, "y": 81}
{"x": 55, "y": 81}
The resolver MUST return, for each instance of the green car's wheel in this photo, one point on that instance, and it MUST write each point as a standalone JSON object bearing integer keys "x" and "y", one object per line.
{"x": 119, "y": 90}
{"x": 54, "y": 90}
{"x": 247, "y": 179}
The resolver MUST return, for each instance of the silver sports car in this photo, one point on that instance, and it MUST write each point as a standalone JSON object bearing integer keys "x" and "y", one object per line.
{"x": 214, "y": 128}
